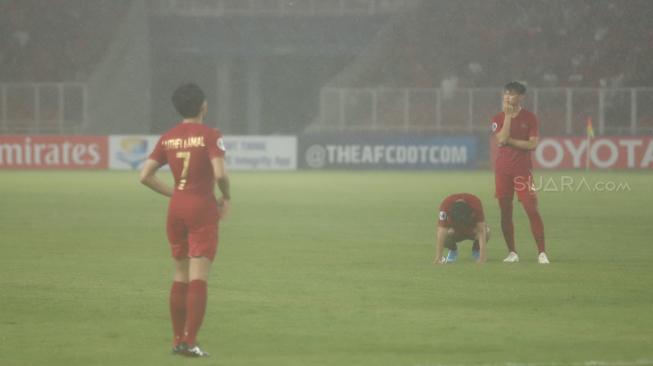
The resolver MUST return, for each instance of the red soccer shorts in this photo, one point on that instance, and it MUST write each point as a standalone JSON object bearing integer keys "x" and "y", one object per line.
{"x": 192, "y": 227}
{"x": 507, "y": 184}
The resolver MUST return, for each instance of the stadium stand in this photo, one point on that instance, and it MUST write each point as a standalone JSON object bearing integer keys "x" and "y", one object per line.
{"x": 582, "y": 43}
{"x": 453, "y": 48}
{"x": 439, "y": 46}
{"x": 60, "y": 43}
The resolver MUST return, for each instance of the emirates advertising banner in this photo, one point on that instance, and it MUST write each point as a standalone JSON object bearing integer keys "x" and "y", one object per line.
{"x": 53, "y": 152}
{"x": 243, "y": 152}
{"x": 626, "y": 152}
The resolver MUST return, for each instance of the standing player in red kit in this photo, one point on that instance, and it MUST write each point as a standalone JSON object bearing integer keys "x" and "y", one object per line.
{"x": 195, "y": 154}
{"x": 461, "y": 218}
{"x": 516, "y": 132}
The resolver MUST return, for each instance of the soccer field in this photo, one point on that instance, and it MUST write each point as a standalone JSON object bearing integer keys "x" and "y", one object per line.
{"x": 329, "y": 268}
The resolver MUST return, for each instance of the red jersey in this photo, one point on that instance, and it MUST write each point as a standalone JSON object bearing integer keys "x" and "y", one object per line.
{"x": 188, "y": 148}
{"x": 512, "y": 160}
{"x": 473, "y": 202}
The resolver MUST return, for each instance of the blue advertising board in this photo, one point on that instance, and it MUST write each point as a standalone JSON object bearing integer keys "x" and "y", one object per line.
{"x": 410, "y": 152}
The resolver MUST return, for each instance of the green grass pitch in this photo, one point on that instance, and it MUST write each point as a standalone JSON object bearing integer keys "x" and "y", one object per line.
{"x": 329, "y": 268}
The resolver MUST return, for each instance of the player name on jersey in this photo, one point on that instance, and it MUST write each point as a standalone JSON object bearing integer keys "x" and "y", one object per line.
{"x": 189, "y": 142}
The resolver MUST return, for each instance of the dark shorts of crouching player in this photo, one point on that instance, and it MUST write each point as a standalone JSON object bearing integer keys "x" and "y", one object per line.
{"x": 461, "y": 218}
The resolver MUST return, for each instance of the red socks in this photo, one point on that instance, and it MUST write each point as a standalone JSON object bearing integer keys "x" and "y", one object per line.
{"x": 178, "y": 310}
{"x": 187, "y": 307}
{"x": 195, "y": 308}
{"x": 506, "y": 223}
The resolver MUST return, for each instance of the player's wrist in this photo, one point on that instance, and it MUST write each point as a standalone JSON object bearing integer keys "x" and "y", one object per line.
{"x": 223, "y": 185}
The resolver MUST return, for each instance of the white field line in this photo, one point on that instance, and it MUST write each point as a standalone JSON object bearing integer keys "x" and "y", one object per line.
{"x": 581, "y": 363}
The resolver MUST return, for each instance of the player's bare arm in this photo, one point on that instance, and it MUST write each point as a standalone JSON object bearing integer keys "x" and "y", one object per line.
{"x": 504, "y": 134}
{"x": 441, "y": 234}
{"x": 148, "y": 177}
{"x": 222, "y": 181}
{"x": 481, "y": 230}
{"x": 529, "y": 144}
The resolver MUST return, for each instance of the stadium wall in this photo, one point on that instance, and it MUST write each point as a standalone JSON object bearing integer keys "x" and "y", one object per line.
{"x": 387, "y": 151}
{"x": 326, "y": 151}
{"x": 128, "y": 152}
{"x": 53, "y": 152}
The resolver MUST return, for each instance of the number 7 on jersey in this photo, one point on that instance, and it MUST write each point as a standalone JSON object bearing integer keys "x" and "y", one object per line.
{"x": 185, "y": 155}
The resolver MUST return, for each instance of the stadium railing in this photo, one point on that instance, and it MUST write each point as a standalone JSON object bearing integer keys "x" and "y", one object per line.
{"x": 562, "y": 111}
{"x": 42, "y": 108}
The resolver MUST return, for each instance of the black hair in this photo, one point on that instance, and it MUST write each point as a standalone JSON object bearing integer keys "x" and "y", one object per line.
{"x": 461, "y": 213}
{"x": 515, "y": 86}
{"x": 188, "y": 100}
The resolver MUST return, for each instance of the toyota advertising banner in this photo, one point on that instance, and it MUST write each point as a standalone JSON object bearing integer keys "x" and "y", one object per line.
{"x": 604, "y": 153}
{"x": 243, "y": 152}
{"x": 53, "y": 152}
{"x": 387, "y": 152}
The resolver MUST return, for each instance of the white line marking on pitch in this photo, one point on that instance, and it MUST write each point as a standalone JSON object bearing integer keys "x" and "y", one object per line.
{"x": 583, "y": 363}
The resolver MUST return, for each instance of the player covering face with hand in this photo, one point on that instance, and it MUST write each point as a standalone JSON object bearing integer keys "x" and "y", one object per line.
{"x": 517, "y": 134}
{"x": 195, "y": 153}
{"x": 461, "y": 218}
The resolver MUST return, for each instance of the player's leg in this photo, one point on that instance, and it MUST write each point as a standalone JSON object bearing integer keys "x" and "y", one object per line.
{"x": 197, "y": 296}
{"x": 203, "y": 241}
{"x": 476, "y": 247}
{"x": 181, "y": 270}
{"x": 178, "y": 239}
{"x": 528, "y": 198}
{"x": 476, "y": 250}
{"x": 178, "y": 295}
{"x": 450, "y": 243}
{"x": 504, "y": 192}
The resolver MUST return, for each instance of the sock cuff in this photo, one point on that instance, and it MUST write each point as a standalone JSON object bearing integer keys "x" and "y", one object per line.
{"x": 196, "y": 283}
{"x": 179, "y": 285}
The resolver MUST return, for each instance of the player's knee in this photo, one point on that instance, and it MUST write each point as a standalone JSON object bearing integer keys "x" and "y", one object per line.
{"x": 199, "y": 268}
{"x": 181, "y": 270}
{"x": 181, "y": 277}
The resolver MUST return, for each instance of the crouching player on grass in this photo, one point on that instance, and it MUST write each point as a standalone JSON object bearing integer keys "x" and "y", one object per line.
{"x": 461, "y": 218}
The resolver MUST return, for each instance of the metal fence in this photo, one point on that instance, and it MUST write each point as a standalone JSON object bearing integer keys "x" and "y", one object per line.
{"x": 561, "y": 111}
{"x": 42, "y": 108}
{"x": 61, "y": 108}
{"x": 218, "y": 8}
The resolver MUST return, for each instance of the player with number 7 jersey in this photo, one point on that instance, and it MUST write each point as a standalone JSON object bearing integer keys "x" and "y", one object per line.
{"x": 195, "y": 153}
{"x": 188, "y": 149}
